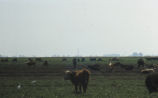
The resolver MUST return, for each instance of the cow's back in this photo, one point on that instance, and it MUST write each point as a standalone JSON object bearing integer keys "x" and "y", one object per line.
{"x": 85, "y": 75}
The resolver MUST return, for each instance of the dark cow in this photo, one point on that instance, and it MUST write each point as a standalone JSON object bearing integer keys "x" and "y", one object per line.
{"x": 74, "y": 61}
{"x": 30, "y": 59}
{"x": 31, "y": 63}
{"x": 140, "y": 62}
{"x": 94, "y": 67}
{"x": 151, "y": 58}
{"x": 14, "y": 60}
{"x": 116, "y": 64}
{"x": 78, "y": 78}
{"x": 151, "y": 82}
{"x": 82, "y": 59}
{"x": 99, "y": 59}
{"x": 38, "y": 59}
{"x": 150, "y": 66}
{"x": 92, "y": 59}
{"x": 78, "y": 60}
{"x": 120, "y": 65}
{"x": 64, "y": 59}
{"x": 4, "y": 60}
{"x": 128, "y": 67}
{"x": 45, "y": 63}
{"x": 111, "y": 66}
{"x": 147, "y": 70}
{"x": 115, "y": 59}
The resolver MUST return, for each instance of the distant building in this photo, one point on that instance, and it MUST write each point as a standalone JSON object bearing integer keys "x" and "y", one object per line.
{"x": 137, "y": 54}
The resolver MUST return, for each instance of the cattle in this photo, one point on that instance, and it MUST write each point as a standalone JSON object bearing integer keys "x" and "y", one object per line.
{"x": 79, "y": 79}
{"x": 151, "y": 58}
{"x": 38, "y": 59}
{"x": 30, "y": 59}
{"x": 151, "y": 82}
{"x": 111, "y": 66}
{"x": 115, "y": 59}
{"x": 74, "y": 61}
{"x": 119, "y": 66}
{"x": 92, "y": 59}
{"x": 140, "y": 62}
{"x": 14, "y": 60}
{"x": 155, "y": 66}
{"x": 45, "y": 63}
{"x": 64, "y": 59}
{"x": 116, "y": 64}
{"x": 82, "y": 59}
{"x": 4, "y": 60}
{"x": 147, "y": 70}
{"x": 150, "y": 66}
{"x": 128, "y": 67}
{"x": 94, "y": 67}
{"x": 99, "y": 59}
{"x": 31, "y": 63}
{"x": 78, "y": 60}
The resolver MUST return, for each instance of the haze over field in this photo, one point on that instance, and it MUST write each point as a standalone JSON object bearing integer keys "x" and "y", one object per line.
{"x": 72, "y": 27}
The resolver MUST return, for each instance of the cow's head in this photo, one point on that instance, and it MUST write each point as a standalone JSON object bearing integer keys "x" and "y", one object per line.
{"x": 68, "y": 74}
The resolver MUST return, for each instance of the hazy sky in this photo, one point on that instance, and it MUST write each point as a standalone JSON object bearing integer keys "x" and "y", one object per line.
{"x": 66, "y": 27}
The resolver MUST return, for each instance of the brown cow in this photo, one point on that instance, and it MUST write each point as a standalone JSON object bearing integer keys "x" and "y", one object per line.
{"x": 79, "y": 78}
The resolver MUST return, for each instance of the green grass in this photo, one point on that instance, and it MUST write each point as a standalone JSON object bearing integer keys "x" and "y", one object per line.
{"x": 50, "y": 82}
{"x": 109, "y": 86}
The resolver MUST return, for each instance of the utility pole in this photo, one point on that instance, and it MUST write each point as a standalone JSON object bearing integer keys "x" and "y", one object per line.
{"x": 78, "y": 52}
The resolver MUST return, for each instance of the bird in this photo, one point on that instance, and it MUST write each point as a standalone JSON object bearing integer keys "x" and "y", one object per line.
{"x": 19, "y": 86}
{"x": 34, "y": 81}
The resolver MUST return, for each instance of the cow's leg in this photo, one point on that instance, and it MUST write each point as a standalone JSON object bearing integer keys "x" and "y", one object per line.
{"x": 75, "y": 88}
{"x": 80, "y": 88}
{"x": 84, "y": 87}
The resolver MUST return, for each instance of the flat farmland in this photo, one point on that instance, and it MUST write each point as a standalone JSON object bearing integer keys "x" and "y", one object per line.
{"x": 17, "y": 80}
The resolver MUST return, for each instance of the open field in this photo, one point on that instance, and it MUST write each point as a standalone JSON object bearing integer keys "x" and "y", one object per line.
{"x": 48, "y": 82}
{"x": 109, "y": 86}
{"x": 56, "y": 65}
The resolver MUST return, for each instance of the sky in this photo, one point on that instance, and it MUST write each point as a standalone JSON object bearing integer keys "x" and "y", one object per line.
{"x": 78, "y": 27}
